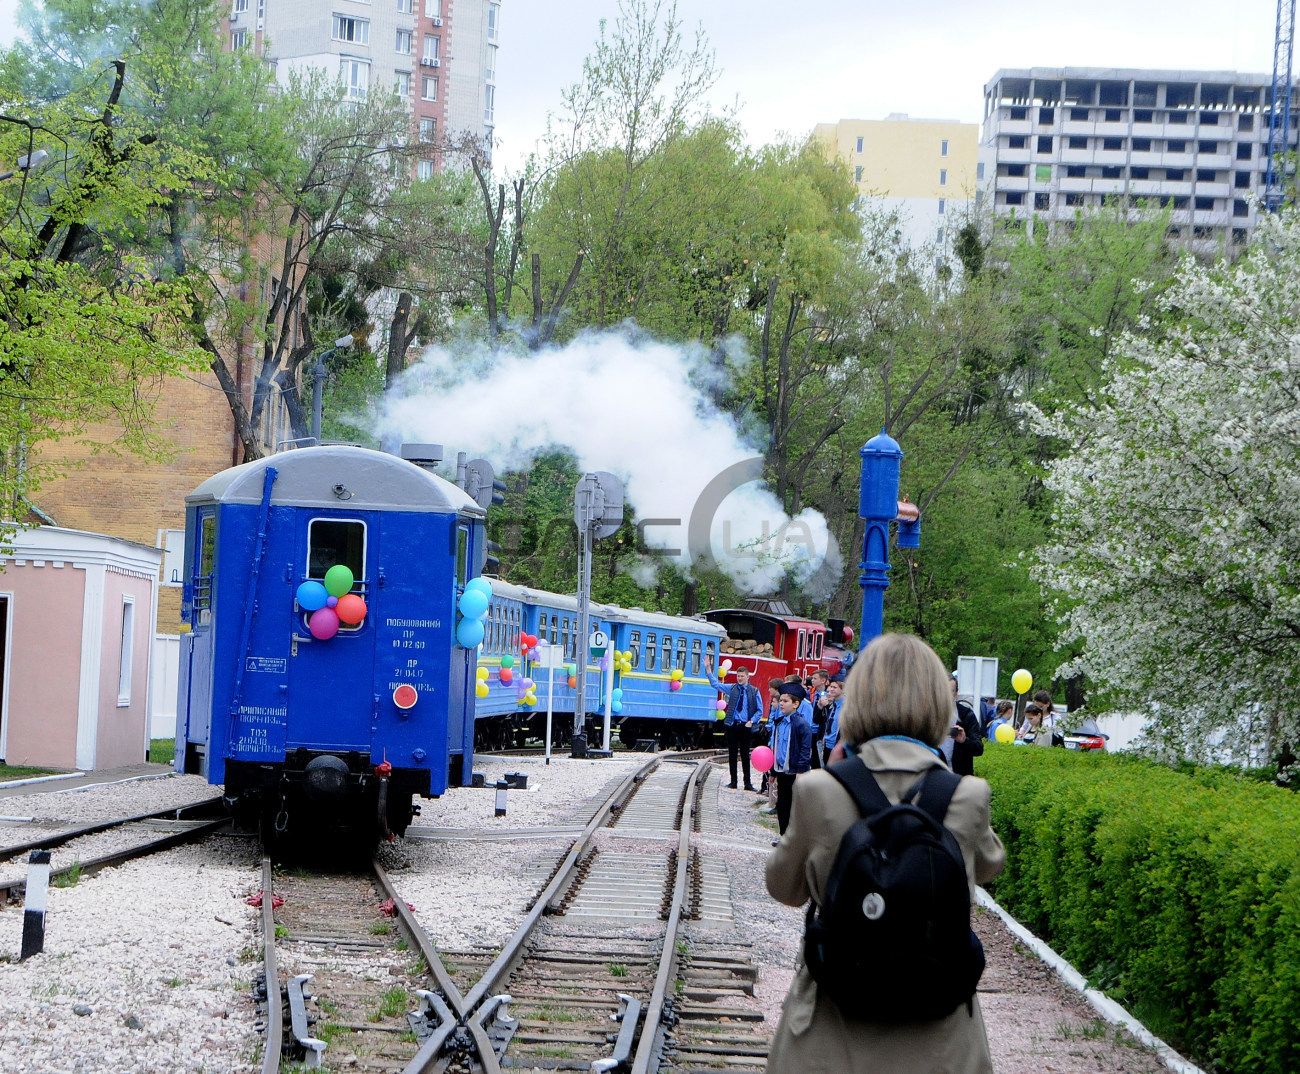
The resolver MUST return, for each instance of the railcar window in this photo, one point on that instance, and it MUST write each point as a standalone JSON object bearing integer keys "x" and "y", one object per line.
{"x": 542, "y": 620}
{"x": 634, "y": 646}
{"x": 801, "y": 649}
{"x": 564, "y": 634}
{"x": 207, "y": 544}
{"x": 681, "y": 654}
{"x": 203, "y": 576}
{"x": 818, "y": 640}
{"x": 331, "y": 541}
{"x": 650, "y": 652}
{"x": 491, "y": 644}
{"x": 666, "y": 655}
{"x": 462, "y": 555}
{"x": 712, "y": 650}
{"x": 695, "y": 657}
{"x": 553, "y": 636}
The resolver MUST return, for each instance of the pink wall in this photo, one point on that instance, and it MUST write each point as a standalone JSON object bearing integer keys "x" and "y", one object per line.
{"x": 123, "y": 731}
{"x": 44, "y": 663}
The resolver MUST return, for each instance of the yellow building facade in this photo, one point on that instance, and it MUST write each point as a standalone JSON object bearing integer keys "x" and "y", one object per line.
{"x": 925, "y": 169}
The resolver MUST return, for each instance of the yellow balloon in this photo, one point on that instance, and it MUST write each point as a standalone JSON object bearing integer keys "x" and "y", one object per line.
{"x": 678, "y": 673}
{"x": 1022, "y": 681}
{"x": 481, "y": 690}
{"x": 482, "y": 673}
{"x": 1005, "y": 734}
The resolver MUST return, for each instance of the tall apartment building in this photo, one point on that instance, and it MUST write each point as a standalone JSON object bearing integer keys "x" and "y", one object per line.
{"x": 1060, "y": 139}
{"x": 438, "y": 55}
{"x": 923, "y": 168}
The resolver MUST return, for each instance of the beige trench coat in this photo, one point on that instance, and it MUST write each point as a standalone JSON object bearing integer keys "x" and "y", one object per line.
{"x": 813, "y": 1037}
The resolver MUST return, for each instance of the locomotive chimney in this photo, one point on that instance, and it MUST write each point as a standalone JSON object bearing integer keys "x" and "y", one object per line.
{"x": 425, "y": 456}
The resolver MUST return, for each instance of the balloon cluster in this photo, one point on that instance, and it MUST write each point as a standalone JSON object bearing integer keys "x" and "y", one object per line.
{"x": 725, "y": 668}
{"x": 622, "y": 661}
{"x": 473, "y": 607}
{"x": 675, "y": 679}
{"x": 528, "y": 646}
{"x": 616, "y": 701}
{"x": 721, "y": 706}
{"x": 481, "y": 686}
{"x": 571, "y": 670}
{"x": 331, "y": 603}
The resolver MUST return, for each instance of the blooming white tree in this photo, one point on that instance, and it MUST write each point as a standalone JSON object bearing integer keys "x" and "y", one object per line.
{"x": 1176, "y": 545}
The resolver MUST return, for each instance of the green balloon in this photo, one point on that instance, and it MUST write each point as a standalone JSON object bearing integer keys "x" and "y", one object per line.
{"x": 338, "y": 580}
{"x": 507, "y": 661}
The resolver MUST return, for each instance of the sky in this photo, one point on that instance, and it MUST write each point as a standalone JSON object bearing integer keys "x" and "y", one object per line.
{"x": 796, "y": 63}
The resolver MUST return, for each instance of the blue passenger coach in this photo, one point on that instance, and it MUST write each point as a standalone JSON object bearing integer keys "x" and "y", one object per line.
{"x": 650, "y": 707}
{"x": 312, "y": 730}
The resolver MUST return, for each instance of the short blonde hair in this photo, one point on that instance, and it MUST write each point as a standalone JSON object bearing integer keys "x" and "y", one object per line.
{"x": 898, "y": 686}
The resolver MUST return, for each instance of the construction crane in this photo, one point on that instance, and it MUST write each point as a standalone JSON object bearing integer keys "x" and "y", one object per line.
{"x": 1279, "y": 124}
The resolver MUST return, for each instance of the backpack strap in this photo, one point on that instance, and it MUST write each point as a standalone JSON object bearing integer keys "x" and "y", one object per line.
{"x": 937, "y": 787}
{"x": 856, "y": 778}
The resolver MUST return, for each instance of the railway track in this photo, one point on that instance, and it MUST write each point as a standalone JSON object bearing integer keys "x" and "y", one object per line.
{"x": 600, "y": 974}
{"x": 157, "y": 831}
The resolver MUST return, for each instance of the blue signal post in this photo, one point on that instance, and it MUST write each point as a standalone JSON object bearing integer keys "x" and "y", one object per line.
{"x": 878, "y": 506}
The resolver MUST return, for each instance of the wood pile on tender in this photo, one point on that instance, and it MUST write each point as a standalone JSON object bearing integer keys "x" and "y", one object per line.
{"x": 747, "y": 647}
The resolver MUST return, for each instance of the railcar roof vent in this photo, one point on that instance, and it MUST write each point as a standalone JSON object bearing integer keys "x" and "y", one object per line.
{"x": 426, "y": 456}
{"x": 772, "y": 607}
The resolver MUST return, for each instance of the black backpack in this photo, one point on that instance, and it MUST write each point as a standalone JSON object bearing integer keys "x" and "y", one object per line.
{"x": 892, "y": 940}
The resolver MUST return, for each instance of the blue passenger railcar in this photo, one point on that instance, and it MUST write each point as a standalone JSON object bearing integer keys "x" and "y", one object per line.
{"x": 661, "y": 644}
{"x": 314, "y": 730}
{"x": 649, "y": 707}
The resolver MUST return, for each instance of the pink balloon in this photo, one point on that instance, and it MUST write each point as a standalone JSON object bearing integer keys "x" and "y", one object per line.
{"x": 721, "y": 705}
{"x": 323, "y": 624}
{"x": 761, "y": 758}
{"x": 674, "y": 684}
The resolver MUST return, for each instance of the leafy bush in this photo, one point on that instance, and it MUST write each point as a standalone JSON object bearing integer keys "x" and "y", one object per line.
{"x": 1177, "y": 893}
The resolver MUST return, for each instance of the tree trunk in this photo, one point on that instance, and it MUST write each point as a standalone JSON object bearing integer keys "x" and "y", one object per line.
{"x": 398, "y": 339}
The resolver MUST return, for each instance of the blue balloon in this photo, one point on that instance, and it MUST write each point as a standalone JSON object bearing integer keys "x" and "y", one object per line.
{"x": 616, "y": 706}
{"x": 469, "y": 633}
{"x": 616, "y": 694}
{"x": 312, "y": 596}
{"x": 481, "y": 585}
{"x": 473, "y": 604}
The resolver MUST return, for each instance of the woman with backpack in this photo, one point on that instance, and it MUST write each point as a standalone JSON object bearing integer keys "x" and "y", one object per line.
{"x": 873, "y": 993}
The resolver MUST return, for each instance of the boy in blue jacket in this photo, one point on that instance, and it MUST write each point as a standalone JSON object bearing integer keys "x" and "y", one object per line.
{"x": 792, "y": 736}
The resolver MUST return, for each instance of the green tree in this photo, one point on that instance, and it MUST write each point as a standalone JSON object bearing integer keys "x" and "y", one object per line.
{"x": 89, "y": 322}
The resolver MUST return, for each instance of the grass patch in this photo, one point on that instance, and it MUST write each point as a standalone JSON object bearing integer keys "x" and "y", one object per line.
{"x": 395, "y": 1002}
{"x": 22, "y": 771}
{"x": 69, "y": 878}
{"x": 327, "y": 1006}
{"x": 407, "y": 1037}
{"x": 380, "y": 928}
{"x": 162, "y": 750}
{"x": 402, "y": 944}
{"x": 553, "y": 1014}
{"x": 173, "y": 982}
{"x": 328, "y": 1031}
{"x": 617, "y": 969}
{"x": 281, "y": 932}
{"x": 555, "y": 1053}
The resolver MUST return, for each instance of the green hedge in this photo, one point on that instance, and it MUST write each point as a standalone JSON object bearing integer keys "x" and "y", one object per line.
{"x": 1176, "y": 893}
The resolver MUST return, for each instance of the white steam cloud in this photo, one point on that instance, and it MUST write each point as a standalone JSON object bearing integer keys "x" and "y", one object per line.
{"x": 639, "y": 409}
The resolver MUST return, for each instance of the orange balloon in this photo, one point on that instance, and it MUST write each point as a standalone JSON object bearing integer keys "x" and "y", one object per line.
{"x": 351, "y": 609}
{"x": 506, "y": 674}
{"x": 573, "y": 680}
